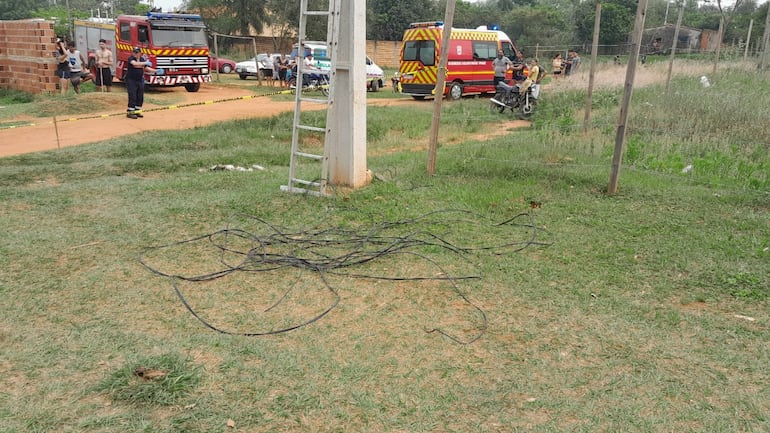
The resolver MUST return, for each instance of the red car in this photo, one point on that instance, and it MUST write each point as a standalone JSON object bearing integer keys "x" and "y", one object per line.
{"x": 220, "y": 64}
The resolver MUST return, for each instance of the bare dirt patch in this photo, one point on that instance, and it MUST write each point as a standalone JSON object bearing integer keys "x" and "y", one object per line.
{"x": 195, "y": 109}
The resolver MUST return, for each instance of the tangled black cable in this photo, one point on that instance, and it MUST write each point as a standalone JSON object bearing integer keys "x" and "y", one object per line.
{"x": 337, "y": 251}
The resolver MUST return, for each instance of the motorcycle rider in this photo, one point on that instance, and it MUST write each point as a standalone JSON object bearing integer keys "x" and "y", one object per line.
{"x": 534, "y": 77}
{"x": 309, "y": 70}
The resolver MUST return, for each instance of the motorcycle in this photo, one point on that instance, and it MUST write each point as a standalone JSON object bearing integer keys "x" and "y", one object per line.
{"x": 310, "y": 81}
{"x": 510, "y": 97}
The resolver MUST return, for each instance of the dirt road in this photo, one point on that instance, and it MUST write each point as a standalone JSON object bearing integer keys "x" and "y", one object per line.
{"x": 211, "y": 104}
{"x": 216, "y": 103}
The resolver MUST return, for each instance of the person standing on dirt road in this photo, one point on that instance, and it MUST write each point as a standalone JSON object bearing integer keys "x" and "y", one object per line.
{"x": 501, "y": 65}
{"x": 104, "y": 62}
{"x": 137, "y": 66}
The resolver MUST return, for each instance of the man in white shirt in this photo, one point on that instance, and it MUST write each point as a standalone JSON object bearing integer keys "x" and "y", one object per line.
{"x": 78, "y": 73}
{"x": 309, "y": 70}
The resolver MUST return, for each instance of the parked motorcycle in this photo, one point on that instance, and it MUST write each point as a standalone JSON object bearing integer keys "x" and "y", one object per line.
{"x": 310, "y": 82}
{"x": 510, "y": 97}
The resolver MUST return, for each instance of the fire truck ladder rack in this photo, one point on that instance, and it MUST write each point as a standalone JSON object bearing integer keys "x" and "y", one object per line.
{"x": 319, "y": 185}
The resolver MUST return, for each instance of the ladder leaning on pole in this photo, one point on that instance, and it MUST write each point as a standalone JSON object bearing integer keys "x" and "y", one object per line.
{"x": 318, "y": 185}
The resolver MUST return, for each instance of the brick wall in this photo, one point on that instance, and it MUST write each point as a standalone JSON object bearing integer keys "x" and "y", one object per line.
{"x": 26, "y": 62}
{"x": 384, "y": 53}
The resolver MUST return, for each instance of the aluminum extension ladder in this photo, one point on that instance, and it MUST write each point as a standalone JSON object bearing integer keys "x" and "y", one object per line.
{"x": 302, "y": 127}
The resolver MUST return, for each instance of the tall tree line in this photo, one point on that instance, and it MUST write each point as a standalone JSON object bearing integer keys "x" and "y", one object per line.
{"x": 529, "y": 22}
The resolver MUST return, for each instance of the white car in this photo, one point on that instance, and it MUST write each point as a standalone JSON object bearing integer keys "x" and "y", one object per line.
{"x": 374, "y": 76}
{"x": 248, "y": 68}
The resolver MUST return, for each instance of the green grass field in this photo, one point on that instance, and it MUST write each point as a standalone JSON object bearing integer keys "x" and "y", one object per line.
{"x": 506, "y": 293}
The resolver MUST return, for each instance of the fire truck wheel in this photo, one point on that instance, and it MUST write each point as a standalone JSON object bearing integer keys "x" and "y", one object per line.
{"x": 192, "y": 87}
{"x": 456, "y": 91}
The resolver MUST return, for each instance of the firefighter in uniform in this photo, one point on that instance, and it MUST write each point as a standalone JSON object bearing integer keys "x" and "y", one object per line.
{"x": 138, "y": 65}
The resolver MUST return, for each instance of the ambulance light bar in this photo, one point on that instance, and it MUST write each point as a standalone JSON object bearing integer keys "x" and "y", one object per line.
{"x": 426, "y": 24}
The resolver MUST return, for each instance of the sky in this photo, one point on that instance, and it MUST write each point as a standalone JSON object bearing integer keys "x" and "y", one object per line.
{"x": 167, "y": 5}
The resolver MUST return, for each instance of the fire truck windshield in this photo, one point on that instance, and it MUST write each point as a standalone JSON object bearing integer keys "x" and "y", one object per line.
{"x": 165, "y": 37}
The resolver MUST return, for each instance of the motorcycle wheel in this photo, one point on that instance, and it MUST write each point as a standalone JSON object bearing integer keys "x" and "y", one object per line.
{"x": 525, "y": 112}
{"x": 495, "y": 107}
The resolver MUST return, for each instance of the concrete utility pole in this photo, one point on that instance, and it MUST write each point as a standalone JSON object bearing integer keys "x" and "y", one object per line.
{"x": 592, "y": 73}
{"x": 347, "y": 121}
{"x": 633, "y": 58}
{"x": 439, "y": 91}
{"x": 673, "y": 47}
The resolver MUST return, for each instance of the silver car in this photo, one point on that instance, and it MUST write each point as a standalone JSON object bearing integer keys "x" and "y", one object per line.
{"x": 262, "y": 64}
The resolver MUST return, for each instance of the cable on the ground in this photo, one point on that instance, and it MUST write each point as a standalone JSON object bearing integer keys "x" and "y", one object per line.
{"x": 340, "y": 251}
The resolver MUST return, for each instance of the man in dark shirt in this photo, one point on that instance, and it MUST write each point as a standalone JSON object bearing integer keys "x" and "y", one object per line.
{"x": 518, "y": 67}
{"x": 138, "y": 64}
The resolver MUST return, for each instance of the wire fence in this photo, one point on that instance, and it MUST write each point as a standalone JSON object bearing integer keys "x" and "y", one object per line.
{"x": 729, "y": 51}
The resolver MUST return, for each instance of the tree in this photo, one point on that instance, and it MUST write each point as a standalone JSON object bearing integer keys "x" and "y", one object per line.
{"x": 472, "y": 15}
{"x": 387, "y": 19}
{"x": 616, "y": 25}
{"x": 283, "y": 19}
{"x": 59, "y": 16}
{"x": 19, "y": 9}
{"x": 232, "y": 17}
{"x": 544, "y": 26}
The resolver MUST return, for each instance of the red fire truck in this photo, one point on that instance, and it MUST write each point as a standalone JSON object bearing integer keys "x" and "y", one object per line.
{"x": 469, "y": 60}
{"x": 173, "y": 42}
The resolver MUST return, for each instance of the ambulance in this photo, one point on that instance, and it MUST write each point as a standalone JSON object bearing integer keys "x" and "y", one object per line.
{"x": 469, "y": 60}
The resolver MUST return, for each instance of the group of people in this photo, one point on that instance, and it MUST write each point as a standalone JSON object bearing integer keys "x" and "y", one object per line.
{"x": 73, "y": 68}
{"x": 281, "y": 70}
{"x": 562, "y": 66}
{"x": 284, "y": 67}
{"x": 534, "y": 74}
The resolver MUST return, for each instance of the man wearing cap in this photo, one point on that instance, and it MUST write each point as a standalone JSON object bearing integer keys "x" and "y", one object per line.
{"x": 309, "y": 70}
{"x": 138, "y": 65}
